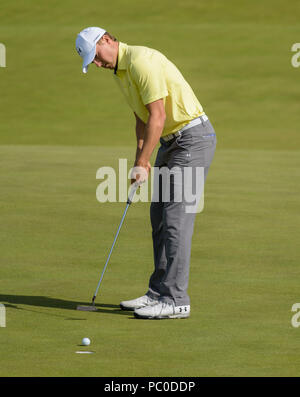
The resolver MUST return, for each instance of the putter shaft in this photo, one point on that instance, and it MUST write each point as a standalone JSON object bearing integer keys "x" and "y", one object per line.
{"x": 129, "y": 201}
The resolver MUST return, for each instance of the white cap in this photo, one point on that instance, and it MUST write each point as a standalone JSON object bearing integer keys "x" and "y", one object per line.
{"x": 86, "y": 45}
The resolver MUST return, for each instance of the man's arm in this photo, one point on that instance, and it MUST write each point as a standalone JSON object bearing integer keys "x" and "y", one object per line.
{"x": 151, "y": 133}
{"x": 140, "y": 133}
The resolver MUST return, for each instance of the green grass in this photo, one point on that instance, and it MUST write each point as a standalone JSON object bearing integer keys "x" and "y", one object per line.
{"x": 58, "y": 126}
{"x": 56, "y": 236}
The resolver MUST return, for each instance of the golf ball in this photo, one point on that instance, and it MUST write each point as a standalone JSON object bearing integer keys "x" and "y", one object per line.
{"x": 86, "y": 341}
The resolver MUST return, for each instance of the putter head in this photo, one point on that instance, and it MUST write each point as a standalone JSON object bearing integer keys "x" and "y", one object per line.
{"x": 87, "y": 308}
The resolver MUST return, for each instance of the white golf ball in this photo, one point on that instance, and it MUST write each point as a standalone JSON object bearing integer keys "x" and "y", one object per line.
{"x": 86, "y": 341}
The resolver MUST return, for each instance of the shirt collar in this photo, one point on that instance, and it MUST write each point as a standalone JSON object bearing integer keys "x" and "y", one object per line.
{"x": 122, "y": 59}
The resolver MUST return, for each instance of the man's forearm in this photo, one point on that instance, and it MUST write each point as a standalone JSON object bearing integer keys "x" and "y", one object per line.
{"x": 140, "y": 134}
{"x": 152, "y": 133}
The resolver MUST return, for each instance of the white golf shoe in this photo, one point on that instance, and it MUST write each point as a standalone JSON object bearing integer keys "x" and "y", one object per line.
{"x": 163, "y": 310}
{"x": 143, "y": 301}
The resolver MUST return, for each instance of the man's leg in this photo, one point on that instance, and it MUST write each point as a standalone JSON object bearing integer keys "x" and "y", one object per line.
{"x": 159, "y": 252}
{"x": 158, "y": 238}
{"x": 179, "y": 227}
{"x": 194, "y": 149}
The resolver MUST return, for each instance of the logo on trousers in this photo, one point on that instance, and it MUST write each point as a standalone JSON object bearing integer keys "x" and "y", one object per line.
{"x": 2, "y": 316}
{"x": 2, "y": 56}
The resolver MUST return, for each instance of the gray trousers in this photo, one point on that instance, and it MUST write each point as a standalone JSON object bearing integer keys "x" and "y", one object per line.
{"x": 172, "y": 225}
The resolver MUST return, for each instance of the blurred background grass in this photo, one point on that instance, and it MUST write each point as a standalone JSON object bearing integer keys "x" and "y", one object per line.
{"x": 235, "y": 54}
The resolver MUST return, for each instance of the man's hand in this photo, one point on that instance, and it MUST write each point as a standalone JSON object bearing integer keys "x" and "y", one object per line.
{"x": 140, "y": 172}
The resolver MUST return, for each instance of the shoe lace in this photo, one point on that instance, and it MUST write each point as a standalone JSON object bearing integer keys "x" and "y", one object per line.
{"x": 165, "y": 304}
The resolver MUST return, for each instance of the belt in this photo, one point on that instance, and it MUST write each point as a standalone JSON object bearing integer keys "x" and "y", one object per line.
{"x": 189, "y": 125}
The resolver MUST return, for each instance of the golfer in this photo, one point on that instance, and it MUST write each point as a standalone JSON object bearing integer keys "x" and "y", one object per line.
{"x": 166, "y": 111}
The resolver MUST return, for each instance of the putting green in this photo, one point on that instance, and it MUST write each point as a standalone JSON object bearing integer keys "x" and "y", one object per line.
{"x": 56, "y": 236}
{"x": 59, "y": 126}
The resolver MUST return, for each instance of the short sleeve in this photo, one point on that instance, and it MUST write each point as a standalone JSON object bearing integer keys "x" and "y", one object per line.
{"x": 148, "y": 75}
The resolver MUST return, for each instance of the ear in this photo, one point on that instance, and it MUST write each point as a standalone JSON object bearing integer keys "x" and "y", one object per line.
{"x": 105, "y": 38}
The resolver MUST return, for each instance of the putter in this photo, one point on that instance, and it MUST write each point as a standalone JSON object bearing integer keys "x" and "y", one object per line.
{"x": 93, "y": 308}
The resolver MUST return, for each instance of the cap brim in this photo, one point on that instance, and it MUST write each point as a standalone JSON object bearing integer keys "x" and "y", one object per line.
{"x": 88, "y": 59}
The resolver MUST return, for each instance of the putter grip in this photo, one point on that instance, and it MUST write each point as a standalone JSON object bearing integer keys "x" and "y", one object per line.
{"x": 132, "y": 191}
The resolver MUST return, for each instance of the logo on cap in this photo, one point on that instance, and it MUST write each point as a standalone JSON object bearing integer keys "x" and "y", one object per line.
{"x": 97, "y": 37}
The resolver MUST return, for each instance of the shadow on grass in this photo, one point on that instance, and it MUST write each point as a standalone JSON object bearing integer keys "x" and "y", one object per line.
{"x": 45, "y": 301}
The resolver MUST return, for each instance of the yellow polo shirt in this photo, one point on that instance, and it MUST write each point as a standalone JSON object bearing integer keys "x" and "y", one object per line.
{"x": 145, "y": 75}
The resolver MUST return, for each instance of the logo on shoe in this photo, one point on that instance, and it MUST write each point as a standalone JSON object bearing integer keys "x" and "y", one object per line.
{"x": 183, "y": 309}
